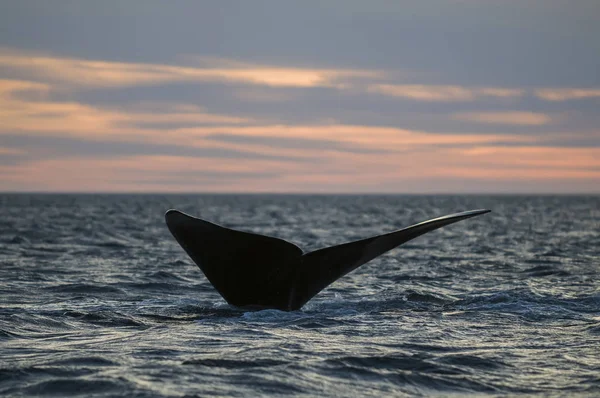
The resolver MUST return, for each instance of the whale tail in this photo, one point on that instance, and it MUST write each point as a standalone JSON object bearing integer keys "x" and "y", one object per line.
{"x": 252, "y": 270}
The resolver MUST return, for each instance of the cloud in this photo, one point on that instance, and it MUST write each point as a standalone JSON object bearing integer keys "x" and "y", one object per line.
{"x": 162, "y": 123}
{"x": 9, "y": 88}
{"x": 512, "y": 118}
{"x": 294, "y": 142}
{"x": 368, "y": 136}
{"x": 566, "y": 94}
{"x": 454, "y": 93}
{"x": 56, "y": 135}
{"x": 82, "y": 73}
{"x": 528, "y": 163}
{"x": 434, "y": 169}
{"x": 172, "y": 115}
{"x": 435, "y": 93}
{"x": 40, "y": 114}
{"x": 77, "y": 73}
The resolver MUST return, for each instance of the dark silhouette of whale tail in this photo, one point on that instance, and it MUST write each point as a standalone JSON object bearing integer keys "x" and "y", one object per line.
{"x": 252, "y": 270}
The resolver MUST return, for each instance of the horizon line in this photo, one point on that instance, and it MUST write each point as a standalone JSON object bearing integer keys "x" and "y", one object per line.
{"x": 307, "y": 193}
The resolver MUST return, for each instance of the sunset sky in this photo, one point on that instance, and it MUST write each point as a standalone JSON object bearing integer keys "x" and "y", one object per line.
{"x": 453, "y": 96}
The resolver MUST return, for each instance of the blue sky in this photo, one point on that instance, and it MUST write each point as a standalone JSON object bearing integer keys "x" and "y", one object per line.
{"x": 274, "y": 96}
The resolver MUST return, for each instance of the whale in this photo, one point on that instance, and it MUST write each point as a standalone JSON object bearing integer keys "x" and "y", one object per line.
{"x": 256, "y": 271}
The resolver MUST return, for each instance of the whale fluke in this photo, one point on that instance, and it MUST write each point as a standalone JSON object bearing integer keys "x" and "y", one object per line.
{"x": 252, "y": 270}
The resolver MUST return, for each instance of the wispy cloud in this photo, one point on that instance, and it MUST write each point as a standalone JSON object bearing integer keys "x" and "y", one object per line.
{"x": 433, "y": 168}
{"x": 566, "y": 94}
{"x": 37, "y": 113}
{"x": 10, "y": 87}
{"x": 94, "y": 73}
{"x": 456, "y": 93}
{"x": 435, "y": 93}
{"x": 163, "y": 123}
{"x": 79, "y": 73}
{"x": 528, "y": 163}
{"x": 284, "y": 141}
{"x": 509, "y": 118}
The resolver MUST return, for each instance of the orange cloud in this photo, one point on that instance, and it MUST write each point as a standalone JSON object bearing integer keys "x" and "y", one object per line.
{"x": 8, "y": 87}
{"x": 537, "y": 158}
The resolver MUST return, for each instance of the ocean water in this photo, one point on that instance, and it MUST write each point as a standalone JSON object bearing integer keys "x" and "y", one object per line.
{"x": 97, "y": 299}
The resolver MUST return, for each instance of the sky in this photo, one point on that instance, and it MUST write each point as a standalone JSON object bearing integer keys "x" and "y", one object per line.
{"x": 436, "y": 96}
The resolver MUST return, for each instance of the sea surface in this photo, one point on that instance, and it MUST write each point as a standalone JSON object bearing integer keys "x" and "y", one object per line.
{"x": 97, "y": 299}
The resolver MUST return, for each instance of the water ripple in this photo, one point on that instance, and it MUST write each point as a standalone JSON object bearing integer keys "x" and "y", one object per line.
{"x": 98, "y": 299}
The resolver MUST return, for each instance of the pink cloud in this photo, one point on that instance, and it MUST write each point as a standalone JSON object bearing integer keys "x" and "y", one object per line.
{"x": 447, "y": 93}
{"x": 514, "y": 118}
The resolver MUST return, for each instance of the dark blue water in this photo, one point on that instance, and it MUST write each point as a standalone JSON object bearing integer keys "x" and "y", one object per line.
{"x": 97, "y": 299}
